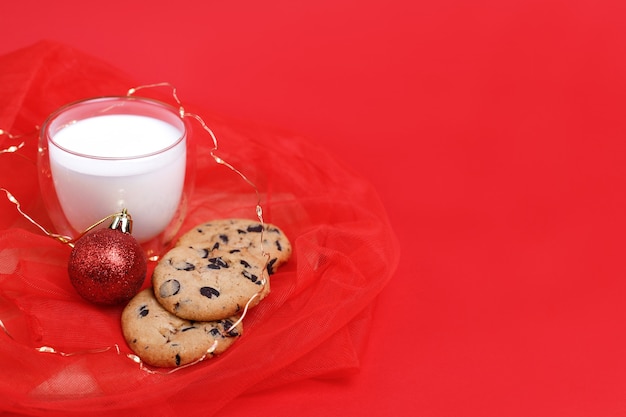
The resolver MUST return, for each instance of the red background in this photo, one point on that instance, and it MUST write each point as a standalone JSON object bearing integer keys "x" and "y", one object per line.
{"x": 494, "y": 134}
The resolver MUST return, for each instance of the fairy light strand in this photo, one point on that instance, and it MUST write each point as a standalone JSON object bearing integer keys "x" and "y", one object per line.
{"x": 61, "y": 238}
{"x": 142, "y": 366}
{"x": 183, "y": 113}
{"x": 4, "y": 328}
{"x": 220, "y": 161}
{"x": 134, "y": 358}
{"x": 48, "y": 349}
{"x": 70, "y": 241}
{"x": 15, "y": 148}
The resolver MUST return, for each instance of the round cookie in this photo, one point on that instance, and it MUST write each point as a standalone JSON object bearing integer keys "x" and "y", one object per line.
{"x": 163, "y": 340}
{"x": 203, "y": 284}
{"x": 242, "y": 233}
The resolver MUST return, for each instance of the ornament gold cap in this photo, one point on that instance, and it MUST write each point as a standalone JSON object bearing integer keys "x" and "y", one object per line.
{"x": 122, "y": 222}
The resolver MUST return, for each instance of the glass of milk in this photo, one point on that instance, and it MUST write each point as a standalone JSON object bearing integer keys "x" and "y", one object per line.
{"x": 101, "y": 155}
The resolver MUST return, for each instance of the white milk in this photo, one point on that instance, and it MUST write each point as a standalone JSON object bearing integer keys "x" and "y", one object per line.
{"x": 103, "y": 164}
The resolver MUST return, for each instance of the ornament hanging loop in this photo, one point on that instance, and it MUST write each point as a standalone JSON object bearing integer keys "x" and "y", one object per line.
{"x": 121, "y": 221}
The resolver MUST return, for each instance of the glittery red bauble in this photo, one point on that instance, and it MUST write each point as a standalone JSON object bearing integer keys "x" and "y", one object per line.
{"x": 107, "y": 266}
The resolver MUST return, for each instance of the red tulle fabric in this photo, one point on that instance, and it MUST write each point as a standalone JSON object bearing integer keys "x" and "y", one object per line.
{"x": 313, "y": 324}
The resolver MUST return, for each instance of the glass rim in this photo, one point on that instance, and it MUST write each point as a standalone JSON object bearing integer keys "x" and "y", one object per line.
{"x": 45, "y": 134}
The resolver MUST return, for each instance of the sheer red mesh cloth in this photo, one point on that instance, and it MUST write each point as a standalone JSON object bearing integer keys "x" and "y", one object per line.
{"x": 313, "y": 324}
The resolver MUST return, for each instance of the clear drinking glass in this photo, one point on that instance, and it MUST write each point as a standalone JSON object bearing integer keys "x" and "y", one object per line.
{"x": 101, "y": 155}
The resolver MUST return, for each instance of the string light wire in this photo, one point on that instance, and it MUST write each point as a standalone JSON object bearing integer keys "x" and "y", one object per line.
{"x": 70, "y": 241}
{"x": 220, "y": 161}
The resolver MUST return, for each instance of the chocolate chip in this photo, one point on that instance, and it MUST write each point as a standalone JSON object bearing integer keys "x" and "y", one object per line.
{"x": 143, "y": 311}
{"x": 250, "y": 276}
{"x": 255, "y": 228}
{"x": 177, "y": 359}
{"x": 184, "y": 266}
{"x": 216, "y": 246}
{"x": 278, "y": 246}
{"x": 169, "y": 288}
{"x": 245, "y": 264}
{"x": 228, "y": 325}
{"x": 224, "y": 238}
{"x": 215, "y": 332}
{"x": 209, "y": 292}
{"x": 270, "y": 266}
{"x": 188, "y": 328}
{"x": 217, "y": 263}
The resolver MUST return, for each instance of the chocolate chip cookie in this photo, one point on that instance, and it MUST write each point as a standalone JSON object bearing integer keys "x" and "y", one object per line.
{"x": 162, "y": 339}
{"x": 203, "y": 282}
{"x": 242, "y": 234}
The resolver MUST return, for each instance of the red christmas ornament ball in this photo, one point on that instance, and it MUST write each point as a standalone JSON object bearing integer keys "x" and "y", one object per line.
{"x": 107, "y": 266}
